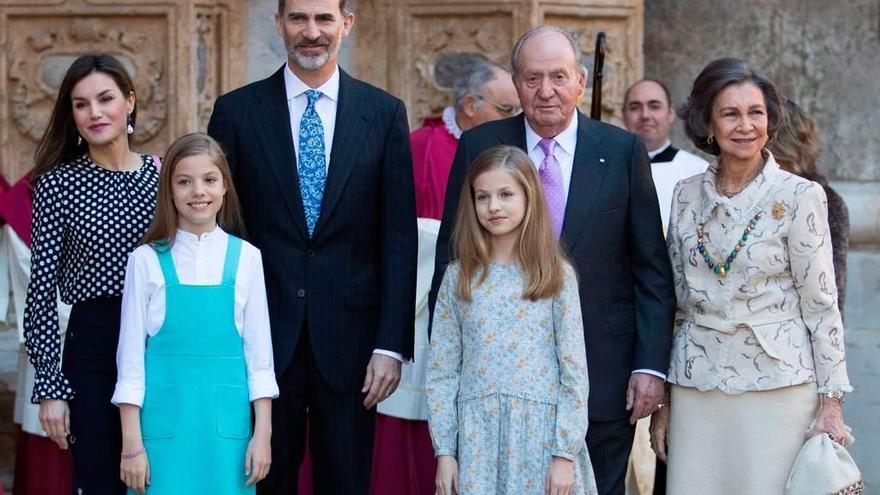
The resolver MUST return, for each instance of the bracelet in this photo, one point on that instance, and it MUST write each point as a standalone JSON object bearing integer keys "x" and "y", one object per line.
{"x": 137, "y": 453}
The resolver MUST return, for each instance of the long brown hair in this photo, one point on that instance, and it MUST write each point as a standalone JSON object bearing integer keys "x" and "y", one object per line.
{"x": 163, "y": 228}
{"x": 538, "y": 252}
{"x": 797, "y": 144}
{"x": 59, "y": 142}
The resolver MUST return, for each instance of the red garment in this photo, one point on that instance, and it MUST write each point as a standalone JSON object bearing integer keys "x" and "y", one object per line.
{"x": 41, "y": 468}
{"x": 17, "y": 207}
{"x": 433, "y": 149}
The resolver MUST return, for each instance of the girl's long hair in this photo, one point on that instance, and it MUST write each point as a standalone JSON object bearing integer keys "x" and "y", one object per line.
{"x": 163, "y": 228}
{"x": 538, "y": 252}
{"x": 59, "y": 142}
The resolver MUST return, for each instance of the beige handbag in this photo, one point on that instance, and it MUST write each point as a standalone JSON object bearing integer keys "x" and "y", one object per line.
{"x": 824, "y": 467}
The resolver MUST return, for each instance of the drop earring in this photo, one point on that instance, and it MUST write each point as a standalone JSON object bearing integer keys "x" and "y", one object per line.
{"x": 79, "y": 140}
{"x": 130, "y": 127}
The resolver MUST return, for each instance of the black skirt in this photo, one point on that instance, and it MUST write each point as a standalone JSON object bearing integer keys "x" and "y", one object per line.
{"x": 89, "y": 363}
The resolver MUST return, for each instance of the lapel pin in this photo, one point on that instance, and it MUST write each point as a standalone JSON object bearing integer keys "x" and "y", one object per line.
{"x": 778, "y": 210}
{"x": 602, "y": 161}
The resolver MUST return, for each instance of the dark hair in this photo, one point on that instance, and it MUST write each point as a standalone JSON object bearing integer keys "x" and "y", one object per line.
{"x": 163, "y": 228}
{"x": 59, "y": 142}
{"x": 465, "y": 74}
{"x": 345, "y": 6}
{"x": 696, "y": 113}
{"x": 647, "y": 79}
{"x": 797, "y": 144}
{"x": 517, "y": 47}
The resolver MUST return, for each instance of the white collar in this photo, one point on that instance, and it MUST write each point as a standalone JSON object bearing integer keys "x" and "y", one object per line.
{"x": 451, "y": 124}
{"x": 567, "y": 139}
{"x": 661, "y": 149}
{"x": 189, "y": 238}
{"x": 294, "y": 86}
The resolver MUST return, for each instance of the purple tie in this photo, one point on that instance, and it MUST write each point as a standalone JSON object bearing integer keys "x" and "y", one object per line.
{"x": 551, "y": 179}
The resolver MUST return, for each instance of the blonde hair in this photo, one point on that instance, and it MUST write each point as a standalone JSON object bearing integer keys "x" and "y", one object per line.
{"x": 163, "y": 228}
{"x": 797, "y": 143}
{"x": 539, "y": 255}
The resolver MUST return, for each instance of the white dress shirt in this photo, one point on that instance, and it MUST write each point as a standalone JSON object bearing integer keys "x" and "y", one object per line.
{"x": 326, "y": 108}
{"x": 198, "y": 261}
{"x": 566, "y": 141}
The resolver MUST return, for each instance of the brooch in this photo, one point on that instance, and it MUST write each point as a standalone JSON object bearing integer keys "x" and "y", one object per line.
{"x": 778, "y": 210}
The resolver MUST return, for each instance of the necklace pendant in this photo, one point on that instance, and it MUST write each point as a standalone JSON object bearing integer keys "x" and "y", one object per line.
{"x": 721, "y": 271}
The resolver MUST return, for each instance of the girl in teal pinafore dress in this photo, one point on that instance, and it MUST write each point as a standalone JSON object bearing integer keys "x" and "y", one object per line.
{"x": 195, "y": 347}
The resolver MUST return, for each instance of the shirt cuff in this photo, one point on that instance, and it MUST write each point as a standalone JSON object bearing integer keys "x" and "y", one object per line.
{"x": 396, "y": 355}
{"x": 51, "y": 384}
{"x": 662, "y": 376}
{"x": 563, "y": 454}
{"x": 128, "y": 394}
{"x": 262, "y": 385}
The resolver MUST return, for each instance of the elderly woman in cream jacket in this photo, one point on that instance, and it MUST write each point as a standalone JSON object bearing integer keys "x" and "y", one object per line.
{"x": 758, "y": 350}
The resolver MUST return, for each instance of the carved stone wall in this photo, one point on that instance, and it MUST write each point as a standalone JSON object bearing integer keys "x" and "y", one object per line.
{"x": 181, "y": 54}
{"x": 398, "y": 40}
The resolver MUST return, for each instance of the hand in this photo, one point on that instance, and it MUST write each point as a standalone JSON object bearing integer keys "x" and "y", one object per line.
{"x": 55, "y": 420}
{"x": 829, "y": 420}
{"x": 660, "y": 432}
{"x": 644, "y": 393}
{"x": 446, "y": 482}
{"x": 560, "y": 477}
{"x": 383, "y": 376}
{"x": 258, "y": 457}
{"x": 135, "y": 472}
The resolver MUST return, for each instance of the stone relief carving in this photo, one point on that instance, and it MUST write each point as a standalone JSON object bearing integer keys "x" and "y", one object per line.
{"x": 417, "y": 31}
{"x": 207, "y": 84}
{"x": 179, "y": 68}
{"x": 488, "y": 35}
{"x": 617, "y": 71}
{"x": 32, "y": 96}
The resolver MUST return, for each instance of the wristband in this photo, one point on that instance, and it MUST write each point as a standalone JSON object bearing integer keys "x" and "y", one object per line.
{"x": 137, "y": 453}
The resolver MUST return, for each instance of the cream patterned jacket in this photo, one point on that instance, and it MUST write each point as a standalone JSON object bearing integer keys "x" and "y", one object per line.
{"x": 772, "y": 321}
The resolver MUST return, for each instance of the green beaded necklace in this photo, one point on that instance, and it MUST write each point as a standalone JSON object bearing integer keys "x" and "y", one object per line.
{"x": 721, "y": 268}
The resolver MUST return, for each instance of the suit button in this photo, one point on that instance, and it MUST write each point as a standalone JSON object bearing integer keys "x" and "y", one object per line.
{"x": 310, "y": 252}
{"x": 301, "y": 293}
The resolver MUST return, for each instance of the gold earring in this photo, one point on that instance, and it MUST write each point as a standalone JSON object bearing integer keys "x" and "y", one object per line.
{"x": 710, "y": 139}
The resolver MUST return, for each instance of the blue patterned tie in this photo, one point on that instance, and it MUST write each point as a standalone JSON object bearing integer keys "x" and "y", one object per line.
{"x": 311, "y": 164}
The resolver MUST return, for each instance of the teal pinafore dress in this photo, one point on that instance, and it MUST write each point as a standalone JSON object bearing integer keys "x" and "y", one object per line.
{"x": 196, "y": 417}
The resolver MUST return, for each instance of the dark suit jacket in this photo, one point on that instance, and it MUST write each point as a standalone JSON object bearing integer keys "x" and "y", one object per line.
{"x": 354, "y": 282}
{"x": 613, "y": 235}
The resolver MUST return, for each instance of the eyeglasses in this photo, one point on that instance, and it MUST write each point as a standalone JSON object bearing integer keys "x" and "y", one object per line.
{"x": 503, "y": 109}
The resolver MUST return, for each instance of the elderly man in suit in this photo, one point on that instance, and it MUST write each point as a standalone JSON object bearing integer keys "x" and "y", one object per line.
{"x": 322, "y": 164}
{"x": 597, "y": 179}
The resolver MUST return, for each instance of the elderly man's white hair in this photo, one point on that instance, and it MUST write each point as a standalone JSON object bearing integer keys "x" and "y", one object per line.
{"x": 517, "y": 48}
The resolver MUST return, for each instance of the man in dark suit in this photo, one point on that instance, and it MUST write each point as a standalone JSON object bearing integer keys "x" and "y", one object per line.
{"x": 322, "y": 164}
{"x": 610, "y": 226}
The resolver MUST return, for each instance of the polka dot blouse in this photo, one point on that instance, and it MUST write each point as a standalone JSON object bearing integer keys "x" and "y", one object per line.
{"x": 86, "y": 222}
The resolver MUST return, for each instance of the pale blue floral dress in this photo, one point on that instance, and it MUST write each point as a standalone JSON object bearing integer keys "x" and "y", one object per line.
{"x": 507, "y": 384}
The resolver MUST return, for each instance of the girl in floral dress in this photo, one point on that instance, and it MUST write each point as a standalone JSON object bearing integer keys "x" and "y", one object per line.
{"x": 507, "y": 382}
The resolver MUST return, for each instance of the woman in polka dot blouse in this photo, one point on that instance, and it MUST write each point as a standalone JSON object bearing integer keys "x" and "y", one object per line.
{"x": 93, "y": 200}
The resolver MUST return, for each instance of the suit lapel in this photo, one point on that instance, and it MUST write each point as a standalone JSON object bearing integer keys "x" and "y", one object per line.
{"x": 351, "y": 122}
{"x": 272, "y": 121}
{"x": 586, "y": 180}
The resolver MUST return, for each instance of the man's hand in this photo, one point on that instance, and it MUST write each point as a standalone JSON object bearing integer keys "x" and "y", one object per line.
{"x": 643, "y": 395}
{"x": 383, "y": 376}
